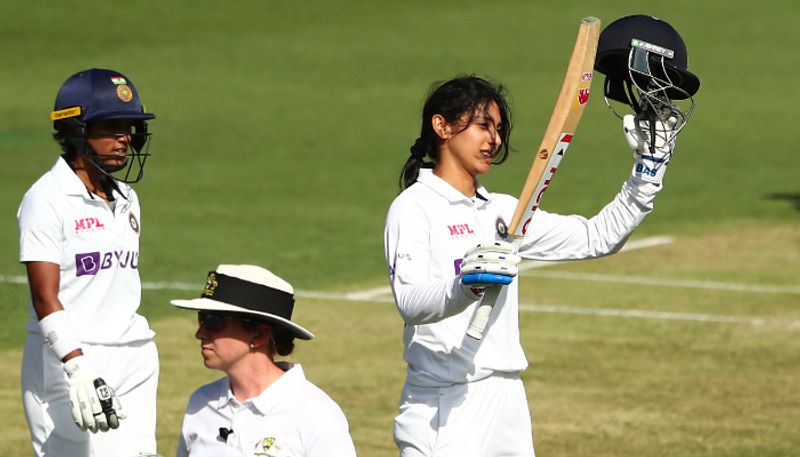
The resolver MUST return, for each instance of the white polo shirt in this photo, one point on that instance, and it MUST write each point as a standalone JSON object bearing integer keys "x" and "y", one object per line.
{"x": 430, "y": 226}
{"x": 97, "y": 250}
{"x": 291, "y": 418}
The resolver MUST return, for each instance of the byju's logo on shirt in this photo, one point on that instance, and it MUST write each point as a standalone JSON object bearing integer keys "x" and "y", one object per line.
{"x": 87, "y": 224}
{"x": 90, "y": 263}
{"x": 458, "y": 230}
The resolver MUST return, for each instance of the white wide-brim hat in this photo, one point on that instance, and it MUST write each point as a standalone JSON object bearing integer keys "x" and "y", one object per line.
{"x": 248, "y": 289}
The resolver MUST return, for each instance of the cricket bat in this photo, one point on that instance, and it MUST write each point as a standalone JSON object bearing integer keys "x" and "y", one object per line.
{"x": 567, "y": 113}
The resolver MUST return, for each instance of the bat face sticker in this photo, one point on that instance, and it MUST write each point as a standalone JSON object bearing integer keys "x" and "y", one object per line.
{"x": 583, "y": 96}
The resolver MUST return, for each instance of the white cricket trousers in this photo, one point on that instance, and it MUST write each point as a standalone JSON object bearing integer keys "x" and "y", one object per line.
{"x": 131, "y": 370}
{"x": 486, "y": 418}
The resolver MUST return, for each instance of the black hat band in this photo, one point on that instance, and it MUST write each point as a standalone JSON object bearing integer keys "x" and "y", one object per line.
{"x": 245, "y": 294}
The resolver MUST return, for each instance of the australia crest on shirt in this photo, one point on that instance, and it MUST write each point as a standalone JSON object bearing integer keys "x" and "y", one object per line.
{"x": 269, "y": 447}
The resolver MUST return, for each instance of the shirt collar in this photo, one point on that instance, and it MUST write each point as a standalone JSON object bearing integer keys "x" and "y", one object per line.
{"x": 280, "y": 388}
{"x": 267, "y": 399}
{"x": 66, "y": 178}
{"x": 71, "y": 184}
{"x": 449, "y": 192}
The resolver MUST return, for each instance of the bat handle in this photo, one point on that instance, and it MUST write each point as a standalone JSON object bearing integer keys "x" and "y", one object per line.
{"x": 477, "y": 327}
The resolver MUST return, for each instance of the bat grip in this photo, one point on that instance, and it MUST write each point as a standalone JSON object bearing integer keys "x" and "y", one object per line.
{"x": 477, "y": 327}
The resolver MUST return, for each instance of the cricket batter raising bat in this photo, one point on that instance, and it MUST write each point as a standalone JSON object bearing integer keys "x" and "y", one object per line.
{"x": 445, "y": 245}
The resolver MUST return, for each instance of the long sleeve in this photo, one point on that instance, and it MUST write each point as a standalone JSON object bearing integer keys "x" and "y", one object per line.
{"x": 557, "y": 237}
{"x": 422, "y": 296}
{"x": 429, "y": 227}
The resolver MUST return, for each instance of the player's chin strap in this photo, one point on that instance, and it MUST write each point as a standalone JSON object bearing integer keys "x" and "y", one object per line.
{"x": 133, "y": 164}
{"x": 139, "y": 151}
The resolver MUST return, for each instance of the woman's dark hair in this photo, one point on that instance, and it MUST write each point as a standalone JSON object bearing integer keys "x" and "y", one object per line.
{"x": 452, "y": 100}
{"x": 68, "y": 150}
{"x": 282, "y": 342}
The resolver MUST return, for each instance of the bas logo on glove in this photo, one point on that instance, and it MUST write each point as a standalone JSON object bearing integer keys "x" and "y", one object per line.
{"x": 652, "y": 147}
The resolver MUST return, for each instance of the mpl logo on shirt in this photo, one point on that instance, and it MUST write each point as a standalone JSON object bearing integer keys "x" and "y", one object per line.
{"x": 90, "y": 263}
{"x": 86, "y": 224}
{"x": 458, "y": 230}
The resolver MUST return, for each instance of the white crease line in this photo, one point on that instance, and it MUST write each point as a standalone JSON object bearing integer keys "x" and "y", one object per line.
{"x": 171, "y": 286}
{"x": 343, "y": 296}
{"x": 597, "y": 312}
{"x": 13, "y": 279}
{"x": 528, "y": 265}
{"x": 647, "y": 243}
{"x": 348, "y": 296}
{"x": 606, "y": 312}
{"x": 629, "y": 246}
{"x": 370, "y": 293}
{"x": 662, "y": 315}
{"x": 689, "y": 283}
{"x": 374, "y": 294}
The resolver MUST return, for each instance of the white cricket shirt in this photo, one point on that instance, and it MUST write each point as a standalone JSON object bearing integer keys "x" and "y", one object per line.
{"x": 430, "y": 226}
{"x": 291, "y": 418}
{"x": 97, "y": 250}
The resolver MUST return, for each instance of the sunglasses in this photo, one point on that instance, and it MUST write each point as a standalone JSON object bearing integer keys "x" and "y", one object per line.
{"x": 216, "y": 322}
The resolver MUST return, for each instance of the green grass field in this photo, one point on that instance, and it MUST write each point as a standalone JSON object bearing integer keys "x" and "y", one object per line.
{"x": 281, "y": 131}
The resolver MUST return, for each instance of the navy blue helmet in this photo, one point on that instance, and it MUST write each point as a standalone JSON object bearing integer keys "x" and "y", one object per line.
{"x": 99, "y": 94}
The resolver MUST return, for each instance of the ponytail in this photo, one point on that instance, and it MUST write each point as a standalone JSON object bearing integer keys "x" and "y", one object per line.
{"x": 416, "y": 161}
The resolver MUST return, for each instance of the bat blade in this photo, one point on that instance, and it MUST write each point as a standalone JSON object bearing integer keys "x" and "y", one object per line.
{"x": 566, "y": 115}
{"x": 571, "y": 102}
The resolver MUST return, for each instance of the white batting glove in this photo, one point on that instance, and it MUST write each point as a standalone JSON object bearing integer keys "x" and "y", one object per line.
{"x": 95, "y": 406}
{"x": 651, "y": 162}
{"x": 489, "y": 264}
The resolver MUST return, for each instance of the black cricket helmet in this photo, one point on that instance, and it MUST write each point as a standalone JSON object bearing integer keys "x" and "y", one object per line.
{"x": 100, "y": 94}
{"x": 633, "y": 46}
{"x": 646, "y": 67}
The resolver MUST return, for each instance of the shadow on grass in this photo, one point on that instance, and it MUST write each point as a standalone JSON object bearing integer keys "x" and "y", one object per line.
{"x": 791, "y": 197}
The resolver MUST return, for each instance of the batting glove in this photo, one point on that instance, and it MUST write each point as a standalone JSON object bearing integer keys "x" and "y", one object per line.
{"x": 95, "y": 406}
{"x": 489, "y": 264}
{"x": 651, "y": 152}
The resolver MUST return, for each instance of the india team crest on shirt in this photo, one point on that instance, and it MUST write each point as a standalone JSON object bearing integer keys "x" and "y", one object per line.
{"x": 501, "y": 228}
{"x": 134, "y": 222}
